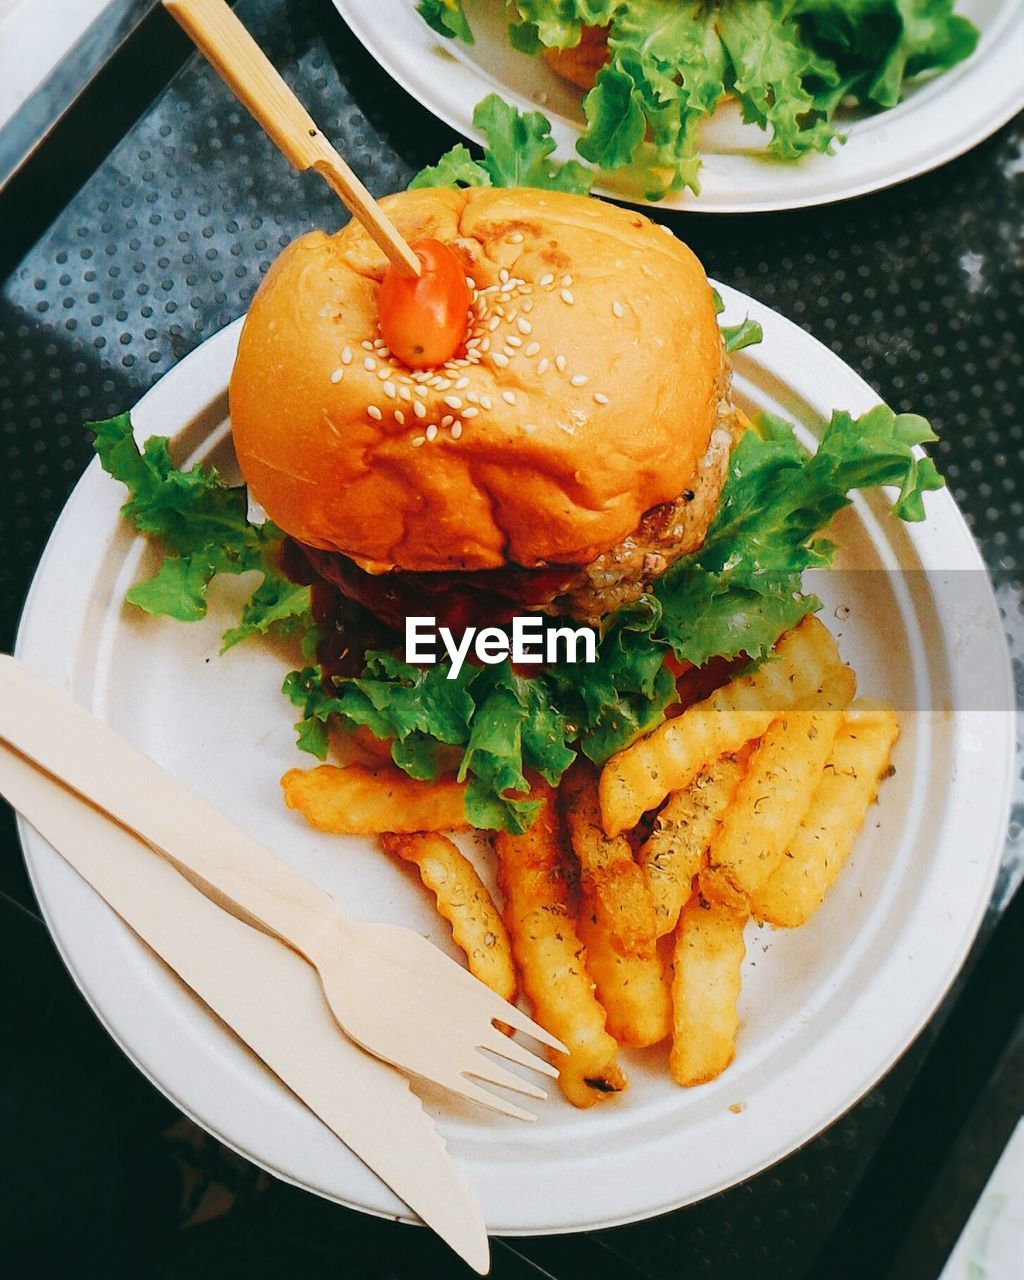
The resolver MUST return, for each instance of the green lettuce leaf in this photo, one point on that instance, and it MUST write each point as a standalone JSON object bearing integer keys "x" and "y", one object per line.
{"x": 517, "y": 154}
{"x": 202, "y": 526}
{"x": 447, "y": 17}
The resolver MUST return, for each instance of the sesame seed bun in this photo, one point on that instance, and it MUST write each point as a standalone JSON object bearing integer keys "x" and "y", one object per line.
{"x": 586, "y": 396}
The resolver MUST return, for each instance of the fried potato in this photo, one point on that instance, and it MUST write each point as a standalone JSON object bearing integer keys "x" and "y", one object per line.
{"x": 376, "y": 750}
{"x": 464, "y": 902}
{"x": 708, "y": 955}
{"x": 641, "y": 776}
{"x": 356, "y": 800}
{"x": 632, "y": 989}
{"x": 857, "y": 763}
{"x": 677, "y": 847}
{"x": 616, "y": 921}
{"x": 775, "y": 793}
{"x": 610, "y": 880}
{"x": 551, "y": 958}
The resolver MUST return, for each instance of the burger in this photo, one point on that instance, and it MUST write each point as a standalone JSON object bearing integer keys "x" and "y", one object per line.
{"x": 560, "y": 460}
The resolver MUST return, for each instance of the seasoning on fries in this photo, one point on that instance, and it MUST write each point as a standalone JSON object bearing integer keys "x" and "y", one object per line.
{"x": 462, "y": 900}
{"x": 847, "y": 789}
{"x": 552, "y": 959}
{"x": 668, "y": 759}
{"x": 616, "y": 920}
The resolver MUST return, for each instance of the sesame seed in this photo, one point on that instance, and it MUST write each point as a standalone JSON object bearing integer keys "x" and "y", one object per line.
{"x": 400, "y": 417}
{"x": 524, "y": 326}
{"x": 346, "y": 356}
{"x": 419, "y": 408}
{"x": 532, "y": 349}
{"x": 453, "y": 402}
{"x": 461, "y": 383}
{"x": 472, "y": 397}
{"x": 618, "y": 310}
{"x": 337, "y": 375}
{"x": 508, "y": 397}
{"x": 442, "y": 384}
{"x": 546, "y": 280}
{"x": 378, "y": 344}
{"x": 447, "y": 420}
{"x": 473, "y": 343}
{"x": 485, "y": 401}
{"x": 543, "y": 365}
{"x": 420, "y": 391}
{"x": 513, "y": 341}
{"x": 567, "y": 298}
{"x": 600, "y": 397}
{"x": 560, "y": 363}
{"x": 431, "y": 432}
{"x": 369, "y": 364}
{"x": 509, "y": 286}
{"x": 528, "y": 304}
{"x": 566, "y": 281}
{"x": 471, "y": 412}
{"x": 374, "y": 412}
{"x": 579, "y": 379}
{"x": 493, "y": 323}
{"x": 389, "y": 389}
{"x": 667, "y": 230}
{"x": 367, "y": 345}
{"x": 485, "y": 344}
{"x": 503, "y": 276}
{"x": 418, "y": 440}
{"x": 500, "y": 360}
{"x": 405, "y": 391}
{"x": 456, "y": 430}
{"x": 383, "y": 373}
{"x": 470, "y": 282}
{"x": 516, "y": 237}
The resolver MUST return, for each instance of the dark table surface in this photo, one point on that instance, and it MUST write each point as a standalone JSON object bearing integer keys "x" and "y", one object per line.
{"x": 138, "y": 228}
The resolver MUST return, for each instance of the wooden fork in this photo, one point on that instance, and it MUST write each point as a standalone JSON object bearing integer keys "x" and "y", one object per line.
{"x": 391, "y": 990}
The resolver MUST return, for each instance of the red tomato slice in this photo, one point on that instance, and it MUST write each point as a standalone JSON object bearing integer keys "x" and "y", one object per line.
{"x": 423, "y": 319}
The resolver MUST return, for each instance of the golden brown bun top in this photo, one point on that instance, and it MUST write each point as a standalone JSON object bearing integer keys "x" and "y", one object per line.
{"x": 588, "y": 395}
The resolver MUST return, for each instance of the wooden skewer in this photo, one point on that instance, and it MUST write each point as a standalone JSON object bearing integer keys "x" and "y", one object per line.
{"x": 250, "y": 75}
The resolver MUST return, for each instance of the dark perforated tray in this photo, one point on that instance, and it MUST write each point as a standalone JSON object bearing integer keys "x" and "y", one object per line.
{"x": 918, "y": 288}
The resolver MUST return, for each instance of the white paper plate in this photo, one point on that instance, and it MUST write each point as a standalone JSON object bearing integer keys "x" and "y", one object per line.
{"x": 826, "y": 1009}
{"x": 941, "y": 118}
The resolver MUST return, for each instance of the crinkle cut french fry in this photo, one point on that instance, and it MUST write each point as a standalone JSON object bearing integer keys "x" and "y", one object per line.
{"x": 551, "y": 958}
{"x": 632, "y": 989}
{"x": 616, "y": 919}
{"x": 356, "y": 800}
{"x": 848, "y": 787}
{"x": 677, "y": 847}
{"x": 775, "y": 792}
{"x": 708, "y": 956}
{"x": 462, "y": 900}
{"x": 669, "y": 758}
{"x": 610, "y": 880}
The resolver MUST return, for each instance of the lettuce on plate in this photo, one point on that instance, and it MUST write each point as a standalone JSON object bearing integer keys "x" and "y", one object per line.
{"x": 788, "y": 63}
{"x": 733, "y": 597}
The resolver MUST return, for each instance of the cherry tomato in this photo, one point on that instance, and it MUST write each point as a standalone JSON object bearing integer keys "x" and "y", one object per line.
{"x": 423, "y": 319}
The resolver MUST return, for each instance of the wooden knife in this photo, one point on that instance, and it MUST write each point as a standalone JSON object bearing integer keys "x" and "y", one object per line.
{"x": 267, "y": 995}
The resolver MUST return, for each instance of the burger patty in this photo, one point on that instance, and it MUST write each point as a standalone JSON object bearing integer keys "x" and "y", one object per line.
{"x": 665, "y": 534}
